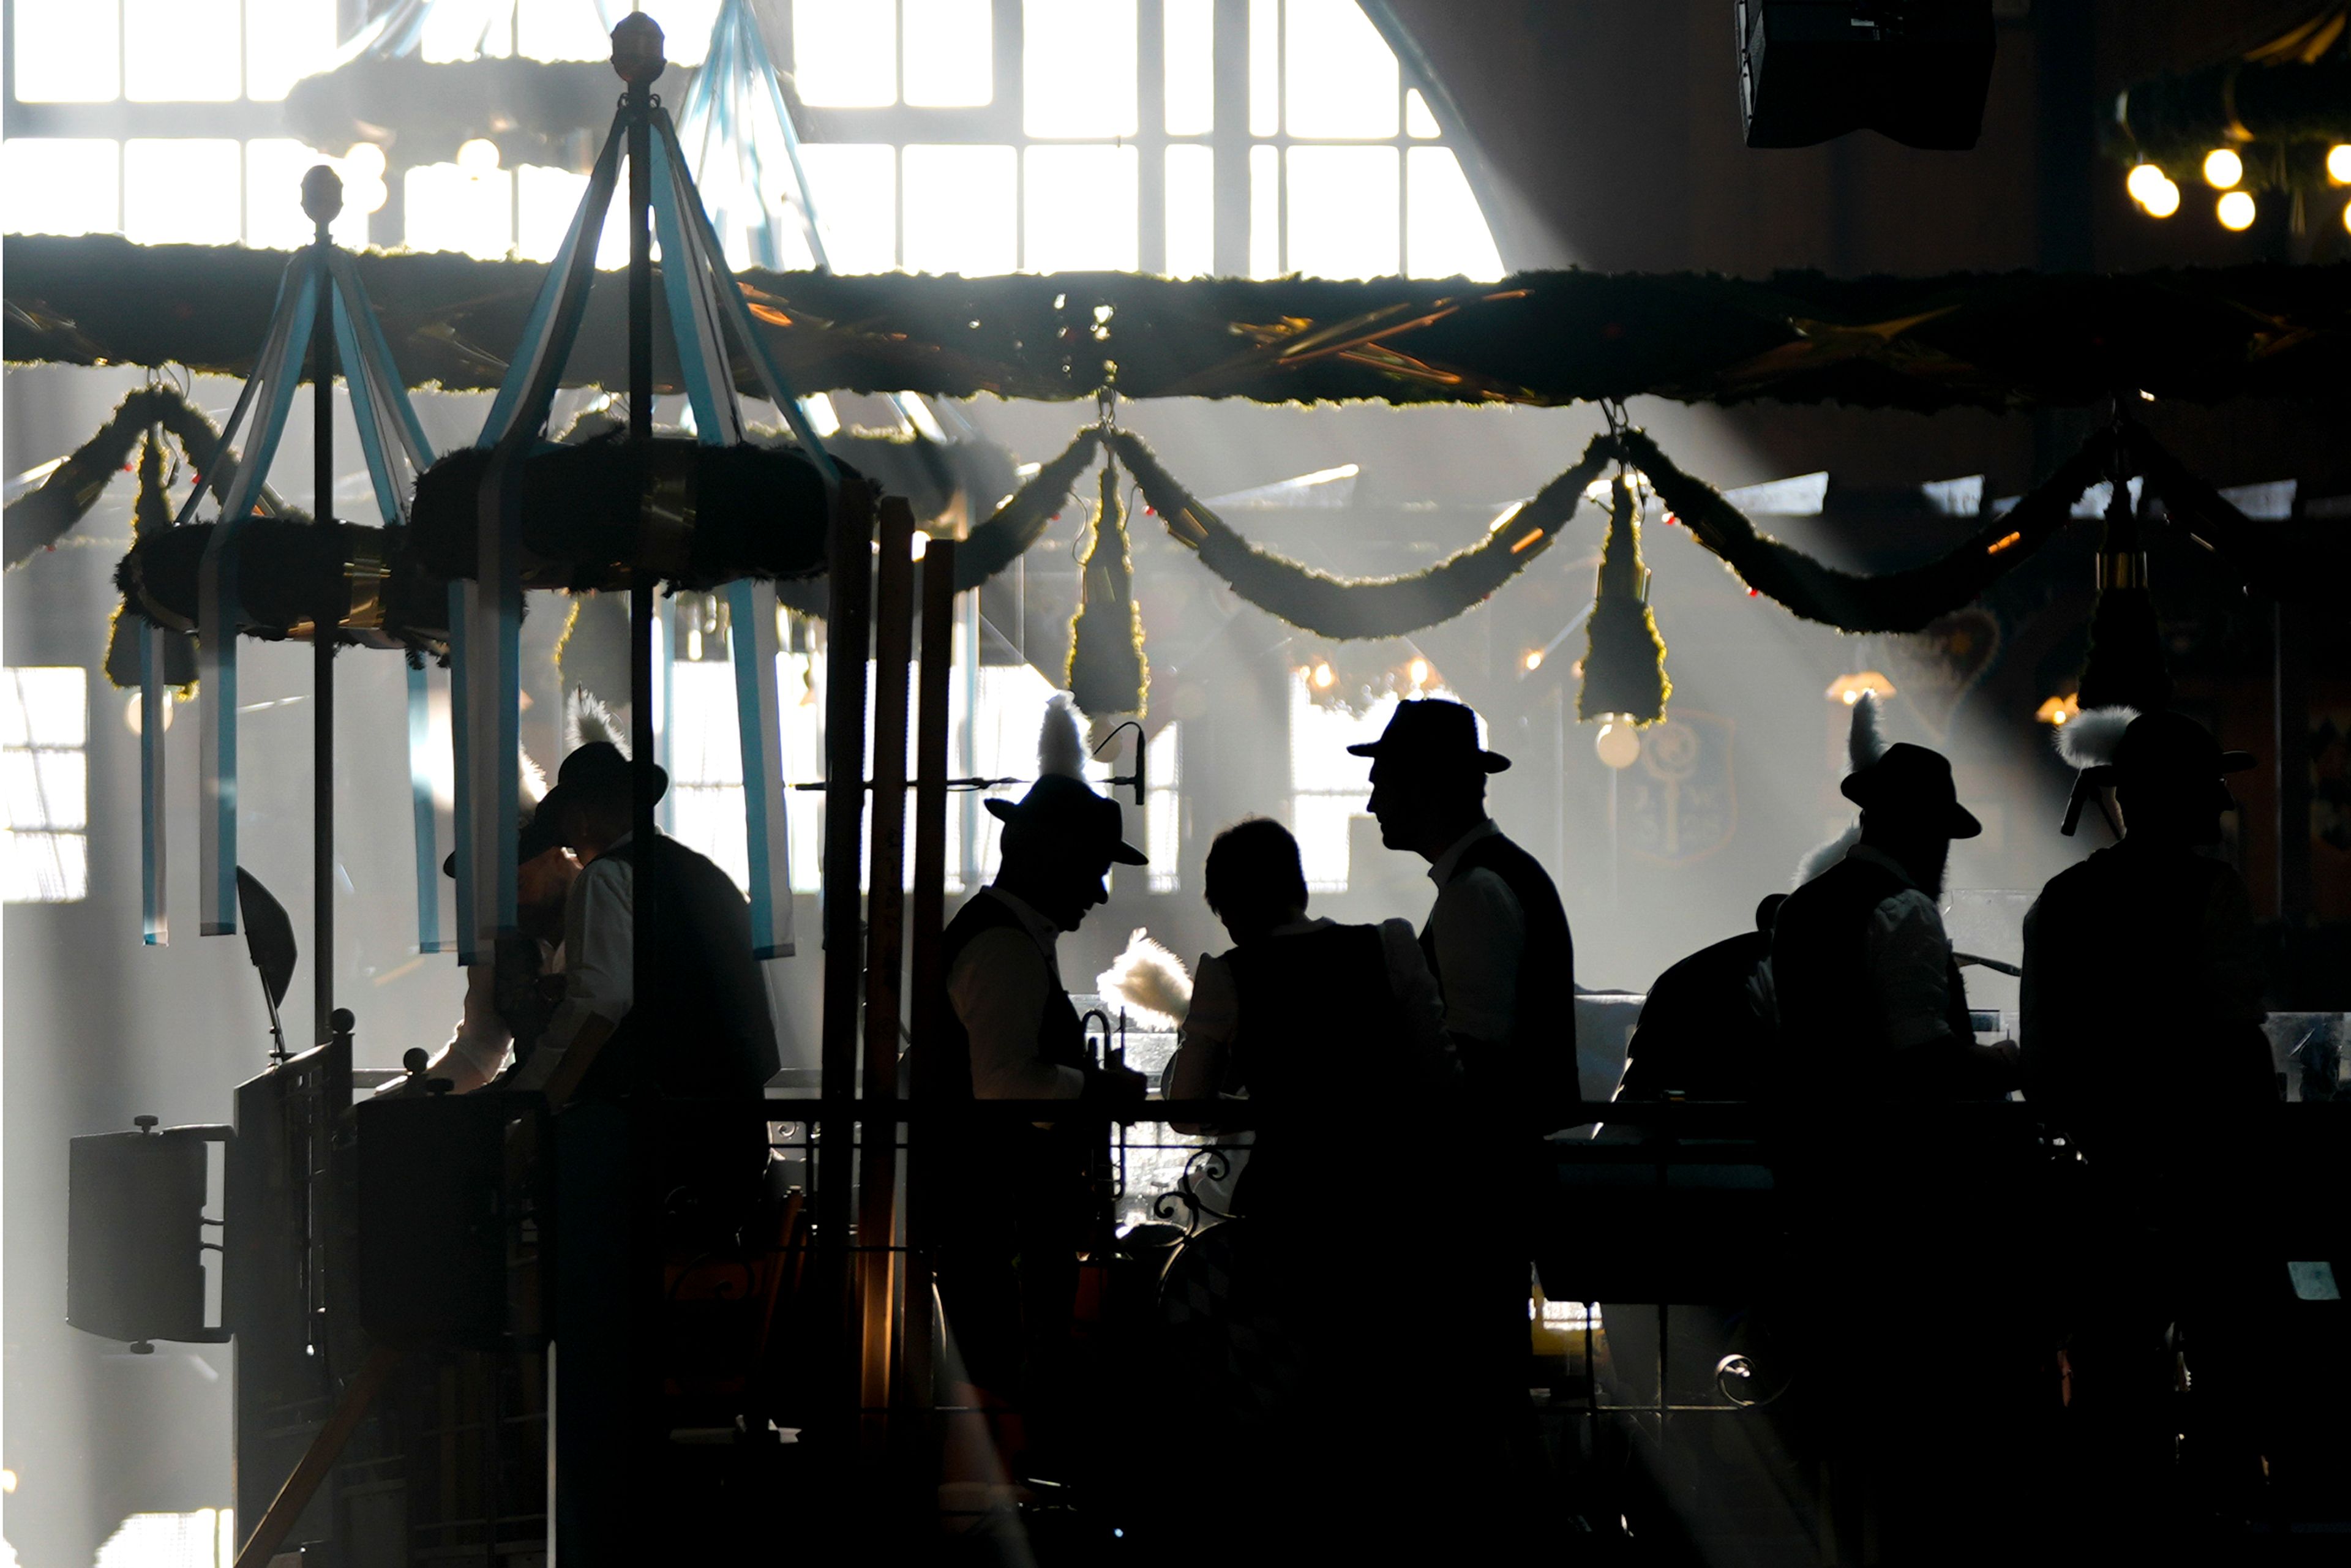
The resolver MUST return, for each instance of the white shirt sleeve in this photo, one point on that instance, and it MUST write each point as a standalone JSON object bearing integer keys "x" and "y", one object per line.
{"x": 997, "y": 988}
{"x": 1480, "y": 931}
{"x": 478, "y": 1049}
{"x": 599, "y": 959}
{"x": 1204, "y": 1044}
{"x": 1909, "y": 969}
{"x": 1413, "y": 987}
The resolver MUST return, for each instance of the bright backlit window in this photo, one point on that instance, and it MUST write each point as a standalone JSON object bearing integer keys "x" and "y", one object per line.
{"x": 45, "y": 775}
{"x": 1329, "y": 786}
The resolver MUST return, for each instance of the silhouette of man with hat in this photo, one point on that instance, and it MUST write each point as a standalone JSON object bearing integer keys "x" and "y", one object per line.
{"x": 1009, "y": 1244}
{"x": 2143, "y": 1044}
{"x": 1871, "y": 1004}
{"x": 1498, "y": 941}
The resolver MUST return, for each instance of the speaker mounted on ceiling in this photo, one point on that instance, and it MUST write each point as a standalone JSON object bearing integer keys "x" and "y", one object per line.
{"x": 1916, "y": 70}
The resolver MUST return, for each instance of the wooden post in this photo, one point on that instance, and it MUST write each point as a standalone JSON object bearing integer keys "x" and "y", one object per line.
{"x": 322, "y": 200}
{"x": 884, "y": 956}
{"x": 927, "y": 976}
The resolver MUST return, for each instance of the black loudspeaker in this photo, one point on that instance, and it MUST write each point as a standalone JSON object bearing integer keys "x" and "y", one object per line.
{"x": 433, "y": 1212}
{"x": 1916, "y": 70}
{"x": 134, "y": 1241}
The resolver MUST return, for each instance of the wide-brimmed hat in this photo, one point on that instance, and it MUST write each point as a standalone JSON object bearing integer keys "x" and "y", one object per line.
{"x": 599, "y": 770}
{"x": 1060, "y": 804}
{"x": 1435, "y": 733}
{"x": 533, "y": 838}
{"x": 2169, "y": 748}
{"x": 1912, "y": 784}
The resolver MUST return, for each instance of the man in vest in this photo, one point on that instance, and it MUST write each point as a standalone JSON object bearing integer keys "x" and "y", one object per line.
{"x": 1011, "y": 1206}
{"x": 1871, "y": 1005}
{"x": 1497, "y": 940}
{"x": 2143, "y": 1044}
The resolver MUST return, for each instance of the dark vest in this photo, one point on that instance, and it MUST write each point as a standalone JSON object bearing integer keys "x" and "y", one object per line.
{"x": 700, "y": 1027}
{"x": 1832, "y": 1038}
{"x": 1319, "y": 1035}
{"x": 1537, "y": 1074}
{"x": 941, "y": 1065}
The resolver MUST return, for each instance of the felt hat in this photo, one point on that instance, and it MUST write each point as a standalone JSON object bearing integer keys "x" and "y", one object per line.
{"x": 533, "y": 838}
{"x": 1436, "y": 734}
{"x": 2161, "y": 747}
{"x": 599, "y": 770}
{"x": 1058, "y": 803}
{"x": 1911, "y": 784}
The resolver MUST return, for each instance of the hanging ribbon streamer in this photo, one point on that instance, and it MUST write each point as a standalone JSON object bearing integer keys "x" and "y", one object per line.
{"x": 1108, "y": 672}
{"x": 1365, "y": 607}
{"x": 426, "y": 820}
{"x": 219, "y": 616}
{"x": 751, "y": 611}
{"x": 154, "y": 714}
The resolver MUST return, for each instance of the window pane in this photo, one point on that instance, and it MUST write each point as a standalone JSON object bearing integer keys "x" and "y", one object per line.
{"x": 1265, "y": 67}
{"x": 1340, "y": 75}
{"x": 183, "y": 51}
{"x": 44, "y": 868}
{"x": 548, "y": 198}
{"x": 704, "y": 742}
{"x": 45, "y": 788}
{"x": 1342, "y": 212}
{"x": 1320, "y": 822}
{"x": 1445, "y": 234}
{"x": 467, "y": 29}
{"x": 450, "y": 209}
{"x": 67, "y": 53}
{"x": 286, "y": 40}
{"x": 1418, "y": 120}
{"x": 845, "y": 53}
{"x": 1163, "y": 809}
{"x": 183, "y": 191}
{"x": 1191, "y": 60}
{"x": 1265, "y": 213}
{"x": 961, "y": 203}
{"x": 45, "y": 705}
{"x": 855, "y": 189}
{"x": 56, "y": 185}
{"x": 685, "y": 30}
{"x": 274, "y": 219}
{"x": 950, "y": 54}
{"x": 1080, "y": 210}
{"x": 561, "y": 30}
{"x": 1079, "y": 67}
{"x": 1191, "y": 212}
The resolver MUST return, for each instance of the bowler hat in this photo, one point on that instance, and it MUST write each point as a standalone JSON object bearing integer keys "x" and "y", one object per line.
{"x": 1058, "y": 803}
{"x": 1435, "y": 733}
{"x": 1911, "y": 784}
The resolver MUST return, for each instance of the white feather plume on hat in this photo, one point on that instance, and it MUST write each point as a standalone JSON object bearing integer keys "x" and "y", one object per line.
{"x": 1060, "y": 748}
{"x": 1149, "y": 981}
{"x": 586, "y": 719}
{"x": 2089, "y": 738}
{"x": 1864, "y": 743}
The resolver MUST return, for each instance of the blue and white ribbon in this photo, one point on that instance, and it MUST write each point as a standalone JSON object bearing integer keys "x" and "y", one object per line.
{"x": 154, "y": 713}
{"x": 219, "y": 616}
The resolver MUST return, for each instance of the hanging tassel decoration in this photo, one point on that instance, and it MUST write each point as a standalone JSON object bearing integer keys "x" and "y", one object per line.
{"x": 149, "y": 514}
{"x": 1108, "y": 673}
{"x": 1624, "y": 659}
{"x": 2126, "y": 667}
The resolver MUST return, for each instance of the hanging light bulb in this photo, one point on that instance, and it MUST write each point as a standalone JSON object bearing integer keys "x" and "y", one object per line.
{"x": 2347, "y": 216}
{"x": 2235, "y": 211}
{"x": 2163, "y": 201}
{"x": 365, "y": 161}
{"x": 1618, "y": 743}
{"x": 2339, "y": 163}
{"x": 1534, "y": 660}
{"x": 478, "y": 157}
{"x": 1324, "y": 677}
{"x": 2222, "y": 169}
{"x": 1418, "y": 671}
{"x": 2144, "y": 182}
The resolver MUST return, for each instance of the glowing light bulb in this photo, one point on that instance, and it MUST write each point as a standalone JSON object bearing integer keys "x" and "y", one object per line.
{"x": 2235, "y": 211}
{"x": 2144, "y": 182}
{"x": 1618, "y": 743}
{"x": 2162, "y": 202}
{"x": 1534, "y": 660}
{"x": 2339, "y": 163}
{"x": 2222, "y": 169}
{"x": 365, "y": 161}
{"x": 1418, "y": 671}
{"x": 1324, "y": 677}
{"x": 134, "y": 712}
{"x": 478, "y": 157}
{"x": 2347, "y": 216}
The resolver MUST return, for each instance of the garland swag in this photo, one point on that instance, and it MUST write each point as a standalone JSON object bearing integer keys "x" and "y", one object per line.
{"x": 1903, "y": 600}
{"x": 39, "y": 519}
{"x": 1364, "y": 607}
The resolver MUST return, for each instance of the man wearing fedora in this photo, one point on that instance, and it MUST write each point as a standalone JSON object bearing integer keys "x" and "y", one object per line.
{"x": 1871, "y": 1004}
{"x": 1024, "y": 1201}
{"x": 2143, "y": 1044}
{"x": 1496, "y": 939}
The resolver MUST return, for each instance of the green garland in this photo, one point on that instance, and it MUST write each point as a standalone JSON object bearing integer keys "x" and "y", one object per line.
{"x": 38, "y": 520}
{"x": 1625, "y": 658}
{"x": 1903, "y": 600}
{"x": 1364, "y": 607}
{"x": 1108, "y": 672}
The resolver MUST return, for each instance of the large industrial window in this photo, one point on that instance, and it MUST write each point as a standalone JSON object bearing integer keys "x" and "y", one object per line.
{"x": 45, "y": 770}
